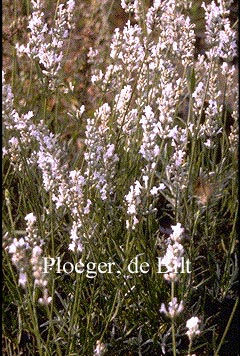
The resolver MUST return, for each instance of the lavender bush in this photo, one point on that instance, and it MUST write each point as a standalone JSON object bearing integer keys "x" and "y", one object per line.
{"x": 126, "y": 244}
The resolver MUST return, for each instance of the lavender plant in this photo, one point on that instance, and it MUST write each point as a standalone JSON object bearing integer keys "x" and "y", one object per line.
{"x": 94, "y": 252}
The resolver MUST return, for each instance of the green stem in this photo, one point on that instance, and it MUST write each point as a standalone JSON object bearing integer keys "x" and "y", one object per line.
{"x": 30, "y": 80}
{"x": 227, "y": 327}
{"x": 173, "y": 323}
{"x": 31, "y": 306}
{"x": 8, "y": 204}
{"x": 190, "y": 347}
{"x": 44, "y": 106}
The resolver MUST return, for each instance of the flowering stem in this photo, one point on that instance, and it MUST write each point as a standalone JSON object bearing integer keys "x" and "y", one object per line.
{"x": 173, "y": 323}
{"x": 194, "y": 149}
{"x": 50, "y": 313}
{"x": 57, "y": 105}
{"x": 8, "y": 203}
{"x": 75, "y": 308}
{"x": 34, "y": 319}
{"x": 30, "y": 80}
{"x": 12, "y": 278}
{"x": 44, "y": 108}
{"x": 28, "y": 8}
{"x": 173, "y": 338}
{"x": 227, "y": 327}
{"x": 52, "y": 224}
{"x": 56, "y": 9}
{"x": 190, "y": 347}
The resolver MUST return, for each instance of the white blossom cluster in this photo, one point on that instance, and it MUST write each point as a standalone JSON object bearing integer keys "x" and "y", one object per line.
{"x": 209, "y": 93}
{"x": 219, "y": 35}
{"x": 138, "y": 193}
{"x": 133, "y": 199}
{"x": 192, "y": 325}
{"x": 66, "y": 187}
{"x": 149, "y": 148}
{"x": 127, "y": 50}
{"x": 122, "y": 101}
{"x": 130, "y": 5}
{"x": 9, "y": 114}
{"x": 18, "y": 249}
{"x": 146, "y": 63}
{"x": 148, "y": 79}
{"x": 234, "y": 133}
{"x": 143, "y": 64}
{"x": 148, "y": 66}
{"x": 126, "y": 58}
{"x": 176, "y": 169}
{"x": 173, "y": 256}
{"x": 207, "y": 100}
{"x": 46, "y": 45}
{"x": 26, "y": 252}
{"x": 134, "y": 7}
{"x": 47, "y": 156}
{"x": 7, "y": 100}
{"x": 174, "y": 308}
{"x": 228, "y": 71}
{"x": 176, "y": 33}
{"x": 99, "y": 349}
{"x": 79, "y": 207}
{"x": 100, "y": 154}
{"x": 212, "y": 126}
{"x": 172, "y": 262}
